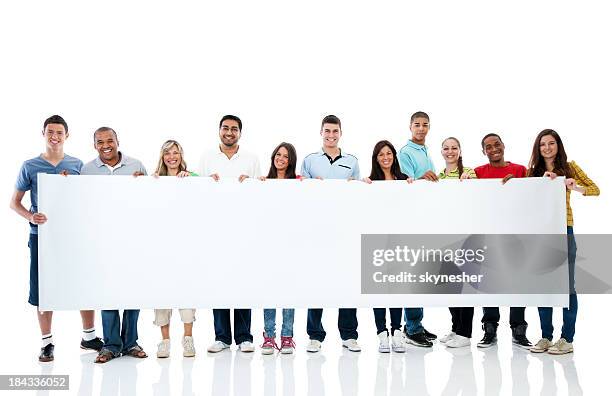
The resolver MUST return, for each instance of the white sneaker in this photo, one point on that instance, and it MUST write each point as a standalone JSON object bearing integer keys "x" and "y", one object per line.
{"x": 313, "y": 346}
{"x": 217, "y": 346}
{"x": 383, "y": 346}
{"x": 398, "y": 342}
{"x": 458, "y": 341}
{"x": 352, "y": 345}
{"x": 561, "y": 347}
{"x": 448, "y": 337}
{"x": 246, "y": 346}
{"x": 163, "y": 349}
{"x": 188, "y": 347}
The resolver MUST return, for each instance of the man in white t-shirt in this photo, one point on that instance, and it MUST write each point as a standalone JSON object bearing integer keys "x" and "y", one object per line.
{"x": 229, "y": 160}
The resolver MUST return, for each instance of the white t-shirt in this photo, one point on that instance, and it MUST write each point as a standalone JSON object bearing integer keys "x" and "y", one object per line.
{"x": 241, "y": 163}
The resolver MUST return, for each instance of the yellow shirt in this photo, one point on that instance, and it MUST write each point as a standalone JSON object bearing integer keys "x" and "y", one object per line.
{"x": 454, "y": 174}
{"x": 582, "y": 180}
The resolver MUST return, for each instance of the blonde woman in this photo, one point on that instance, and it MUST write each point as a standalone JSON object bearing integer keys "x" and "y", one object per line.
{"x": 171, "y": 163}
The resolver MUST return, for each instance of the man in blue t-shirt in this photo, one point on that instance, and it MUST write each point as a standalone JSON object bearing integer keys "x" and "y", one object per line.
{"x": 331, "y": 163}
{"x": 52, "y": 161}
{"x": 415, "y": 162}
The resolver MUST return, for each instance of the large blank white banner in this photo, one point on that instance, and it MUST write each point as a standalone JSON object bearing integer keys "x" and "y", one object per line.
{"x": 125, "y": 242}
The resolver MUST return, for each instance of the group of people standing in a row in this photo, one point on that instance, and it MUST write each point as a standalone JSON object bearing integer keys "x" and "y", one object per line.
{"x": 229, "y": 160}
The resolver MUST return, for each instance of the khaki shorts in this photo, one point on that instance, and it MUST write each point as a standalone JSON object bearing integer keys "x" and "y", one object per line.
{"x": 162, "y": 316}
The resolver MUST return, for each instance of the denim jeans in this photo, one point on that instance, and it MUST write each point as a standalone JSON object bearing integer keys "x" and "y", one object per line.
{"x": 414, "y": 317}
{"x": 115, "y": 341}
{"x": 347, "y": 324}
{"x": 270, "y": 322}
{"x": 33, "y": 245}
{"x": 569, "y": 314}
{"x": 381, "y": 320}
{"x": 223, "y": 326}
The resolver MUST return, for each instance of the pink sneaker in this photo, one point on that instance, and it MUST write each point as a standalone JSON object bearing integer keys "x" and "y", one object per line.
{"x": 268, "y": 346}
{"x": 287, "y": 345}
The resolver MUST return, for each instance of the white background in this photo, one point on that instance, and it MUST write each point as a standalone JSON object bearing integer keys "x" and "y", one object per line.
{"x": 155, "y": 70}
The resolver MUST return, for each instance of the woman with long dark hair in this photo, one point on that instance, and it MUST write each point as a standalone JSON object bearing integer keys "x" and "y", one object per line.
{"x": 282, "y": 166}
{"x": 385, "y": 166}
{"x": 548, "y": 159}
{"x": 283, "y": 162}
{"x": 462, "y": 317}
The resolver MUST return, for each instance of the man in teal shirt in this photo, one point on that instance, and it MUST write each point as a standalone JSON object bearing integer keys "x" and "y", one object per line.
{"x": 414, "y": 159}
{"x": 415, "y": 162}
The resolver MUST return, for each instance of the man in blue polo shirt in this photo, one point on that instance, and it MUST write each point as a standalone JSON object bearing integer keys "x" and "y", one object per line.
{"x": 119, "y": 338}
{"x": 414, "y": 158}
{"x": 415, "y": 162}
{"x": 53, "y": 161}
{"x": 331, "y": 163}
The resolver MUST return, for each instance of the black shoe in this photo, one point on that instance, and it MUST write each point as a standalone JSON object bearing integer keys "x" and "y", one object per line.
{"x": 428, "y": 335}
{"x": 96, "y": 344}
{"x": 519, "y": 338}
{"x": 490, "y": 336}
{"x": 419, "y": 339}
{"x": 46, "y": 353}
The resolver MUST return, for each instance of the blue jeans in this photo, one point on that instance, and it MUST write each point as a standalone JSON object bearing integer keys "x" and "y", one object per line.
{"x": 115, "y": 341}
{"x": 347, "y": 324}
{"x": 381, "y": 320}
{"x": 223, "y": 326}
{"x": 569, "y": 314}
{"x": 414, "y": 317}
{"x": 270, "y": 322}
{"x": 33, "y": 245}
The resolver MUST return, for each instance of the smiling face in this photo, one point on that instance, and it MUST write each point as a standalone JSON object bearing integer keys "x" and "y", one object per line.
{"x": 385, "y": 158}
{"x": 548, "y": 147}
{"x": 494, "y": 149}
{"x": 419, "y": 128}
{"x": 107, "y": 145}
{"x": 451, "y": 151}
{"x": 55, "y": 135}
{"x": 281, "y": 159}
{"x": 229, "y": 133}
{"x": 172, "y": 158}
{"x": 331, "y": 134}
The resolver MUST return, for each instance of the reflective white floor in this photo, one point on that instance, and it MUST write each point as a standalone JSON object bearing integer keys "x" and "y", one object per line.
{"x": 503, "y": 369}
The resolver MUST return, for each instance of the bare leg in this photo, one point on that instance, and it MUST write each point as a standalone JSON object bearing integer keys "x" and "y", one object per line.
{"x": 87, "y": 317}
{"x": 44, "y": 321}
{"x": 165, "y": 330}
{"x": 188, "y": 329}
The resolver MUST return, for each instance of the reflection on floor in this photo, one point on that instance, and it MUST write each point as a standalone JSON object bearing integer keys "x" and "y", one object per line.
{"x": 502, "y": 369}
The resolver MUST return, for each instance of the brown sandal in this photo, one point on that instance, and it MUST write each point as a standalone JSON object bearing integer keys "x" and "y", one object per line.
{"x": 104, "y": 356}
{"x": 136, "y": 351}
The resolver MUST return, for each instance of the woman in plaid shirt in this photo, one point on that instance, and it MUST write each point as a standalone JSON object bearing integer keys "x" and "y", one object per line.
{"x": 548, "y": 159}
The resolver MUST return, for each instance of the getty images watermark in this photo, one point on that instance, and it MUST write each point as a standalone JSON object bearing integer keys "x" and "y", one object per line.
{"x": 464, "y": 264}
{"x": 411, "y": 256}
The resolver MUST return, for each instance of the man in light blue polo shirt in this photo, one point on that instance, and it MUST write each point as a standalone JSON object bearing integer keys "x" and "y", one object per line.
{"x": 119, "y": 338}
{"x": 416, "y": 163}
{"x": 414, "y": 158}
{"x": 331, "y": 163}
